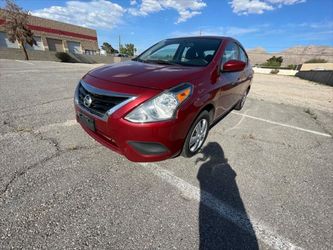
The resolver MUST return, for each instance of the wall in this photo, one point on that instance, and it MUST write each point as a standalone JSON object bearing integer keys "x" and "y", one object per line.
{"x": 18, "y": 54}
{"x": 98, "y": 59}
{"x": 321, "y": 76}
{"x": 316, "y": 66}
{"x": 285, "y": 72}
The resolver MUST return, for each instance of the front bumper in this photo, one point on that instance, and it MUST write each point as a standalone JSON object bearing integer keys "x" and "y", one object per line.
{"x": 138, "y": 142}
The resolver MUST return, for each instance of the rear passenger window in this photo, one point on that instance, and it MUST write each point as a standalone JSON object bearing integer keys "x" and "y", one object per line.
{"x": 230, "y": 53}
{"x": 242, "y": 55}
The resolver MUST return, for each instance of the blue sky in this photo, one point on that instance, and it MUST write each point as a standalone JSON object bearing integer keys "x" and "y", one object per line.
{"x": 272, "y": 24}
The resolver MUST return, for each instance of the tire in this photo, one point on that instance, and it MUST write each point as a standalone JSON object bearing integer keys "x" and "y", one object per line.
{"x": 241, "y": 102}
{"x": 202, "y": 120}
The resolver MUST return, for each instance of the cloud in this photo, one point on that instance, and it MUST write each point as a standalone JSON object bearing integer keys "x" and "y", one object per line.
{"x": 185, "y": 8}
{"x": 219, "y": 31}
{"x": 245, "y": 7}
{"x": 133, "y": 2}
{"x": 238, "y": 31}
{"x": 94, "y": 14}
{"x": 325, "y": 25}
{"x": 286, "y": 2}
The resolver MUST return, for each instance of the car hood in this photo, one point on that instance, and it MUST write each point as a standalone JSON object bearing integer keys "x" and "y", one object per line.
{"x": 146, "y": 75}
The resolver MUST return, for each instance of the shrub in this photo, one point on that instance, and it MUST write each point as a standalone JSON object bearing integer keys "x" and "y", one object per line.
{"x": 316, "y": 60}
{"x": 273, "y": 62}
{"x": 64, "y": 57}
{"x": 274, "y": 71}
{"x": 292, "y": 66}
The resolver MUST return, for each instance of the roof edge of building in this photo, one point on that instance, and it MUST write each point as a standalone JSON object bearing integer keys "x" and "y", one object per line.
{"x": 56, "y": 21}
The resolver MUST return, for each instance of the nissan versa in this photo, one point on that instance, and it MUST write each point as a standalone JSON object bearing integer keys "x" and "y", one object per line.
{"x": 162, "y": 103}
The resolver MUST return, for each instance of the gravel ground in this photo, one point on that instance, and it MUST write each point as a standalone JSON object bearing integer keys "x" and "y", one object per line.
{"x": 293, "y": 91}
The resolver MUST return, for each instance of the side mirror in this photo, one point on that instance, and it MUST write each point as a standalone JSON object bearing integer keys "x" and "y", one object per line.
{"x": 233, "y": 66}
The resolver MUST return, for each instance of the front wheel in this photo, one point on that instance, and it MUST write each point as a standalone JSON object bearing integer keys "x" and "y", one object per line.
{"x": 197, "y": 135}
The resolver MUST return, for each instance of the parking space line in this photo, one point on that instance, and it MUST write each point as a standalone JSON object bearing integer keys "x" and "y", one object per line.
{"x": 263, "y": 232}
{"x": 23, "y": 71}
{"x": 282, "y": 124}
{"x": 239, "y": 123}
{"x": 24, "y": 62}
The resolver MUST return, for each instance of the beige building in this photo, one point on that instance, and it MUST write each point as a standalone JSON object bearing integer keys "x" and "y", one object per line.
{"x": 56, "y": 36}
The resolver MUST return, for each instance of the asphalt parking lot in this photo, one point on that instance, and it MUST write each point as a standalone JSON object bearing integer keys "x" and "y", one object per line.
{"x": 263, "y": 179}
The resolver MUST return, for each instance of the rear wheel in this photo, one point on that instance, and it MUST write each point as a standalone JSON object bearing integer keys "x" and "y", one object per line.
{"x": 197, "y": 135}
{"x": 241, "y": 102}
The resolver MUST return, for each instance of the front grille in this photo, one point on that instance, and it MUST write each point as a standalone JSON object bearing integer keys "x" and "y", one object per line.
{"x": 101, "y": 103}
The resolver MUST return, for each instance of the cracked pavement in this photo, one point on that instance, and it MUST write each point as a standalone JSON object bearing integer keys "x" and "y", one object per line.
{"x": 61, "y": 189}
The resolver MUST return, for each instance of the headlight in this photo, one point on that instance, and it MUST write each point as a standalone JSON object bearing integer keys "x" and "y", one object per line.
{"x": 162, "y": 107}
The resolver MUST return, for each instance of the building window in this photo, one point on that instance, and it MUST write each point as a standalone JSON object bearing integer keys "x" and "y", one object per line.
{"x": 90, "y": 52}
{"x": 5, "y": 43}
{"x": 74, "y": 47}
{"x": 55, "y": 44}
{"x": 39, "y": 45}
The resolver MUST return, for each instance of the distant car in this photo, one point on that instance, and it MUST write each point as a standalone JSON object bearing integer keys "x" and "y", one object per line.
{"x": 162, "y": 103}
{"x": 121, "y": 55}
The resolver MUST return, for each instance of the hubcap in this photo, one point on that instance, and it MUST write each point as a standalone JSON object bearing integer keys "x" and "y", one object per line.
{"x": 198, "y": 135}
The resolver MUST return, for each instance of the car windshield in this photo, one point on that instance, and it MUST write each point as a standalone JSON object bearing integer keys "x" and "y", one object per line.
{"x": 181, "y": 51}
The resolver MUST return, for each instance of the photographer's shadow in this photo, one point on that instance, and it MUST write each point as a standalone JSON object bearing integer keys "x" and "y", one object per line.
{"x": 217, "y": 182}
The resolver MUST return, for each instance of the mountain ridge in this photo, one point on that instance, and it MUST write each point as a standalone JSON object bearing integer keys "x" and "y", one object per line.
{"x": 294, "y": 55}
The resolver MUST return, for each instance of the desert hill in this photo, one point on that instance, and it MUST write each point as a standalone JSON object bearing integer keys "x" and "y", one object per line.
{"x": 295, "y": 55}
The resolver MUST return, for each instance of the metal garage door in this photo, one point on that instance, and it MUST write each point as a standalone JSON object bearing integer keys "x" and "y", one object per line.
{"x": 55, "y": 44}
{"x": 74, "y": 47}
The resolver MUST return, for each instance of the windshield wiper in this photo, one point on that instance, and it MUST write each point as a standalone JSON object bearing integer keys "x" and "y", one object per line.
{"x": 158, "y": 62}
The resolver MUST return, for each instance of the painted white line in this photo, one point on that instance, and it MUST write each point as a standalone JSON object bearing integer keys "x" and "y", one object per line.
{"x": 263, "y": 232}
{"x": 283, "y": 124}
{"x": 46, "y": 71}
{"x": 56, "y": 67}
{"x": 24, "y": 62}
{"x": 240, "y": 121}
{"x": 45, "y": 68}
{"x": 21, "y": 71}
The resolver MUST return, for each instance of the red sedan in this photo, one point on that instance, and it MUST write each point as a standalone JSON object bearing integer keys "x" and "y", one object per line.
{"x": 162, "y": 103}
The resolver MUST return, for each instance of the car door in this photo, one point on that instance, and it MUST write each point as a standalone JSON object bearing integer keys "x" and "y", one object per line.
{"x": 227, "y": 81}
{"x": 245, "y": 75}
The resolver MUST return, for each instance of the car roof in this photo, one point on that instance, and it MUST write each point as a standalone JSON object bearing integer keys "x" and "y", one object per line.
{"x": 203, "y": 37}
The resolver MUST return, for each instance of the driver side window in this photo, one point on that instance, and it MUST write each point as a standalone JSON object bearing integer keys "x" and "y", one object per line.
{"x": 231, "y": 52}
{"x": 165, "y": 53}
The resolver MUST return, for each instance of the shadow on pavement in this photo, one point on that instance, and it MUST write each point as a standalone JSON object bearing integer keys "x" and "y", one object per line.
{"x": 217, "y": 178}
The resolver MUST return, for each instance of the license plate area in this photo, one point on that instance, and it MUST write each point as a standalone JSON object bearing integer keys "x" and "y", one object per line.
{"x": 87, "y": 121}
